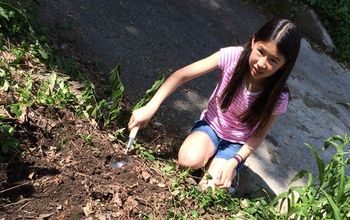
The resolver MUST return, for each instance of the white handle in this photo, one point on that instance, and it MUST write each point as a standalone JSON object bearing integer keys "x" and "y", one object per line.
{"x": 134, "y": 131}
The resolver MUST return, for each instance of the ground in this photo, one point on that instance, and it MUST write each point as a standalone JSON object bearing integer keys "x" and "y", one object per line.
{"x": 64, "y": 176}
{"x": 60, "y": 173}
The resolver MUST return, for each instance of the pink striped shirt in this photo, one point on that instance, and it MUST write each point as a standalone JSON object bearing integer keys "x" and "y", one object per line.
{"x": 227, "y": 125}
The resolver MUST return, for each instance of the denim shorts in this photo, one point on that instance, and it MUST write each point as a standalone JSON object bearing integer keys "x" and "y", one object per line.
{"x": 223, "y": 149}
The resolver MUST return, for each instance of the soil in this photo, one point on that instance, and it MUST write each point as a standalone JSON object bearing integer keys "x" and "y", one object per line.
{"x": 74, "y": 182}
{"x": 61, "y": 174}
{"x": 62, "y": 171}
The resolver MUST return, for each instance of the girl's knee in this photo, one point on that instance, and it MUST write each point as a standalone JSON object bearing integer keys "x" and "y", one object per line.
{"x": 191, "y": 160}
{"x": 196, "y": 149}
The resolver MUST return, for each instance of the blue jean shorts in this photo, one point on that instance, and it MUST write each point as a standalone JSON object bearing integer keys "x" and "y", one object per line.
{"x": 223, "y": 149}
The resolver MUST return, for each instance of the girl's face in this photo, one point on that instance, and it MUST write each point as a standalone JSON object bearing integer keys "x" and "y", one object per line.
{"x": 264, "y": 59}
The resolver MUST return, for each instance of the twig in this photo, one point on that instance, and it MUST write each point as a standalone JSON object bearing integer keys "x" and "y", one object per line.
{"x": 143, "y": 202}
{"x": 22, "y": 206}
{"x": 11, "y": 188}
{"x": 15, "y": 203}
{"x": 347, "y": 104}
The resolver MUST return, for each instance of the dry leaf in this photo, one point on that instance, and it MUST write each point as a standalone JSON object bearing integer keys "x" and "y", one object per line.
{"x": 30, "y": 176}
{"x": 161, "y": 185}
{"x": 145, "y": 175}
{"x": 87, "y": 209}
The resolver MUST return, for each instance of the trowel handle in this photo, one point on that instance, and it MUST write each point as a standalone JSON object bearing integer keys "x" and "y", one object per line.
{"x": 134, "y": 131}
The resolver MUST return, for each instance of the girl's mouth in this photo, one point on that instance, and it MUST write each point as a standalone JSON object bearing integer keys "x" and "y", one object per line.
{"x": 256, "y": 71}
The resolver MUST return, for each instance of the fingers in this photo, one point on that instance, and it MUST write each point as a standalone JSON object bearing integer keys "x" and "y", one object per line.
{"x": 133, "y": 123}
{"x": 137, "y": 118}
{"x": 224, "y": 184}
{"x": 219, "y": 176}
{"x": 223, "y": 180}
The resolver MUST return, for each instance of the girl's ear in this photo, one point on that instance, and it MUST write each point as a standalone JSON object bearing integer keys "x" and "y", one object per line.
{"x": 284, "y": 66}
{"x": 253, "y": 41}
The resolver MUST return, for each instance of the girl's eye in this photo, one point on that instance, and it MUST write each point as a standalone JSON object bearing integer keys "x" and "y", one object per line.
{"x": 274, "y": 61}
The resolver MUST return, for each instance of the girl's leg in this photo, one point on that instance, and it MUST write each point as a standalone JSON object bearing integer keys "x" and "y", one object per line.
{"x": 212, "y": 168}
{"x": 196, "y": 150}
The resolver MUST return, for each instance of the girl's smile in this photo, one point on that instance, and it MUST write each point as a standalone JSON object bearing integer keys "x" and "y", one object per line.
{"x": 257, "y": 71}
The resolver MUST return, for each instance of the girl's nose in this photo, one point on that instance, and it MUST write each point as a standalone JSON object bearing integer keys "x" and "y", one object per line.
{"x": 261, "y": 63}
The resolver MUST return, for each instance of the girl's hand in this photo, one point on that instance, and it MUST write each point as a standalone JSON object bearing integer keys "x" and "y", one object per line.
{"x": 226, "y": 174}
{"x": 141, "y": 116}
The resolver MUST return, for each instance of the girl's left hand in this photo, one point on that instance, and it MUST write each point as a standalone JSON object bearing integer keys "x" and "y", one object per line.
{"x": 225, "y": 174}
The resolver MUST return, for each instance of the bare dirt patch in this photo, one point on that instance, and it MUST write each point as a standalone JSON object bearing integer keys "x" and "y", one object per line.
{"x": 66, "y": 177}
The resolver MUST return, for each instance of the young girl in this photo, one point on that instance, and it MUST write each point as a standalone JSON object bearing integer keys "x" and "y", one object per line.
{"x": 249, "y": 96}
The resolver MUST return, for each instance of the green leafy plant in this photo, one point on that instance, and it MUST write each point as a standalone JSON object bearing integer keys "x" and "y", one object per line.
{"x": 150, "y": 92}
{"x": 9, "y": 18}
{"x": 335, "y": 16}
{"x": 325, "y": 196}
{"x": 117, "y": 93}
{"x": 56, "y": 93}
{"x": 4, "y": 80}
{"x": 87, "y": 138}
{"x": 14, "y": 22}
{"x": 7, "y": 141}
{"x": 89, "y": 106}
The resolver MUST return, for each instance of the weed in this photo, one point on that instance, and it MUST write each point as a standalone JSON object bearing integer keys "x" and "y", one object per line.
{"x": 117, "y": 94}
{"x": 4, "y": 80}
{"x": 87, "y": 138}
{"x": 56, "y": 93}
{"x": 11, "y": 18}
{"x": 143, "y": 152}
{"x": 170, "y": 167}
{"x": 150, "y": 92}
{"x": 89, "y": 106}
{"x": 325, "y": 196}
{"x": 7, "y": 140}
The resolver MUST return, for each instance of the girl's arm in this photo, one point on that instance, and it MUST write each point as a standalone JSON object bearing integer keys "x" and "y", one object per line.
{"x": 224, "y": 177}
{"x": 255, "y": 141}
{"x": 142, "y": 115}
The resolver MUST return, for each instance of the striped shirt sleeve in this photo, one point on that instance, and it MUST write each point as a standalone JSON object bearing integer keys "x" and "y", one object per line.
{"x": 282, "y": 104}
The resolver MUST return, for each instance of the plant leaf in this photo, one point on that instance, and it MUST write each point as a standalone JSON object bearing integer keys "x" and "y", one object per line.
{"x": 283, "y": 195}
{"x": 331, "y": 140}
{"x": 298, "y": 176}
{"x": 150, "y": 92}
{"x": 341, "y": 185}
{"x": 336, "y": 211}
{"x": 320, "y": 163}
{"x": 300, "y": 211}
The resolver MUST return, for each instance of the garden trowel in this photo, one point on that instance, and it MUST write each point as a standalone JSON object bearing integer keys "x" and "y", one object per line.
{"x": 120, "y": 160}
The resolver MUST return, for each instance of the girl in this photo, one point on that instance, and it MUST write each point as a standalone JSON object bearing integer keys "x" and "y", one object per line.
{"x": 249, "y": 96}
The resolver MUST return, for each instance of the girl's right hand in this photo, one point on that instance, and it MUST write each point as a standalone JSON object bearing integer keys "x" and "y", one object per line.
{"x": 141, "y": 116}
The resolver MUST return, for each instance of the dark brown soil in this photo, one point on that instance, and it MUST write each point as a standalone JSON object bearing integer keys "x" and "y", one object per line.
{"x": 59, "y": 173}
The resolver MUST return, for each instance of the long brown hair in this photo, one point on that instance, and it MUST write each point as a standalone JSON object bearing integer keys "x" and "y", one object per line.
{"x": 287, "y": 38}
